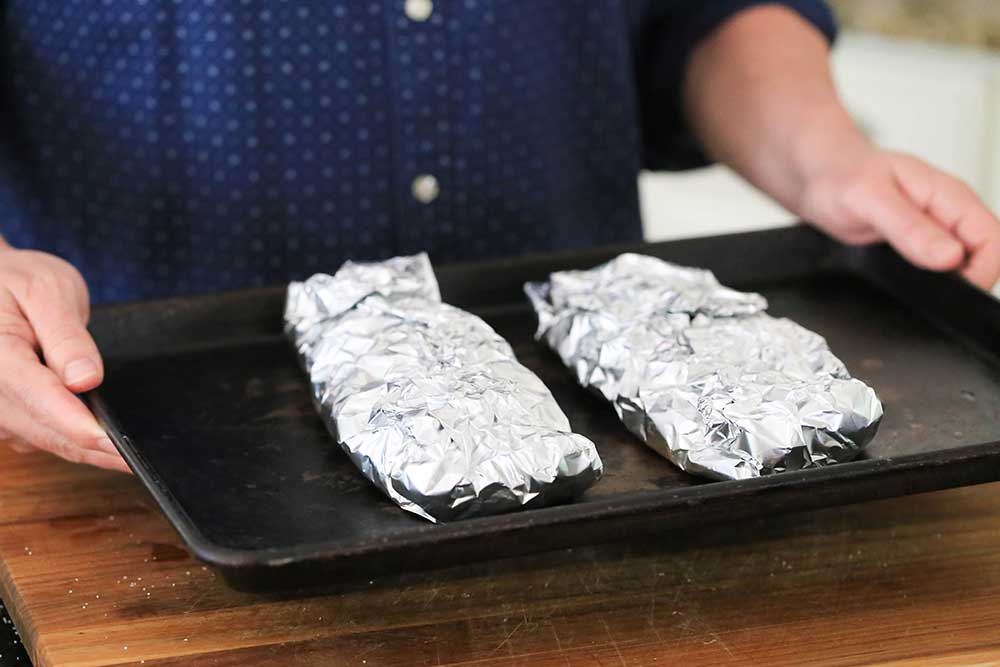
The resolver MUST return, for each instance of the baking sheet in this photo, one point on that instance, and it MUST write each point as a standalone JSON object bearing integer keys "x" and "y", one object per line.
{"x": 206, "y": 401}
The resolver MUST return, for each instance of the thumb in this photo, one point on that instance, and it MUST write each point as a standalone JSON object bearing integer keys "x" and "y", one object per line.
{"x": 62, "y": 335}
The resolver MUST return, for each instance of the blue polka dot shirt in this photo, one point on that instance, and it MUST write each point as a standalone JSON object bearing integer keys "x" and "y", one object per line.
{"x": 175, "y": 146}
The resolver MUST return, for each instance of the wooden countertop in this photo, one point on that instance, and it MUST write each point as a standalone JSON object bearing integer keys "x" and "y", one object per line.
{"x": 94, "y": 575}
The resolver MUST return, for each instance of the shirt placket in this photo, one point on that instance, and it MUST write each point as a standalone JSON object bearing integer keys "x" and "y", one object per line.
{"x": 423, "y": 127}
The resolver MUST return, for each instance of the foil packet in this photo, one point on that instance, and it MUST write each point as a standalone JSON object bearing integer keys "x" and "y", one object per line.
{"x": 700, "y": 372}
{"x": 427, "y": 400}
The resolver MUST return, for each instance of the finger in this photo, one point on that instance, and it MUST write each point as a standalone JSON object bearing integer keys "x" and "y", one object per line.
{"x": 52, "y": 308}
{"x": 37, "y": 408}
{"x": 101, "y": 459}
{"x": 983, "y": 266}
{"x": 109, "y": 462}
{"x": 40, "y": 436}
{"x": 38, "y": 398}
{"x": 863, "y": 234}
{"x": 955, "y": 206}
{"x": 913, "y": 233}
{"x": 106, "y": 461}
{"x": 89, "y": 457}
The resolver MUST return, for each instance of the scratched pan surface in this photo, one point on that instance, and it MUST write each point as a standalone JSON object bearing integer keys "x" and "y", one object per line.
{"x": 205, "y": 400}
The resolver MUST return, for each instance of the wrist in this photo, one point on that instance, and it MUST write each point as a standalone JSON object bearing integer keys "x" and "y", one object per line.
{"x": 825, "y": 152}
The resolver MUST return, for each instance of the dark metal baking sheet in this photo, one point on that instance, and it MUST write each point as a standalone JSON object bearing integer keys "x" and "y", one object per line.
{"x": 205, "y": 400}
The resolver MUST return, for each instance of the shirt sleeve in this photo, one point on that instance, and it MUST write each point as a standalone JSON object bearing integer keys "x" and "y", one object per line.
{"x": 667, "y": 34}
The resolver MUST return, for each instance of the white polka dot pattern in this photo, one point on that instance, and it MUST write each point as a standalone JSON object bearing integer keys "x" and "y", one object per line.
{"x": 172, "y": 146}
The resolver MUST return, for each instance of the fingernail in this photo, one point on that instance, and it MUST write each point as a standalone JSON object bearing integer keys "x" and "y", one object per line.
{"x": 79, "y": 370}
{"x": 105, "y": 445}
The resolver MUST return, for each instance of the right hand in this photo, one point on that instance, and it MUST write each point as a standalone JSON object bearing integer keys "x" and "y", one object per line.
{"x": 44, "y": 308}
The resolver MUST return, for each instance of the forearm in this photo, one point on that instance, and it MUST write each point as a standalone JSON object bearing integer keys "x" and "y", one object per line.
{"x": 759, "y": 94}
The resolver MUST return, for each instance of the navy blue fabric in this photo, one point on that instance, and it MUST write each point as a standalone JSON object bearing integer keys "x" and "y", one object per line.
{"x": 175, "y": 146}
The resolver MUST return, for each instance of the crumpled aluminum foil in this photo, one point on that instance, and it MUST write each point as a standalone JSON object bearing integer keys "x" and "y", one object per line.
{"x": 427, "y": 400}
{"x": 700, "y": 373}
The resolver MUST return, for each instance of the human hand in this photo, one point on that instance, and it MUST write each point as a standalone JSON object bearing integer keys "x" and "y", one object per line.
{"x": 760, "y": 96}
{"x": 931, "y": 218}
{"x": 44, "y": 308}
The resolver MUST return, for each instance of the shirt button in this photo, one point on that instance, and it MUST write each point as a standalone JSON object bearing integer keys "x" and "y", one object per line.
{"x": 425, "y": 188}
{"x": 418, "y": 10}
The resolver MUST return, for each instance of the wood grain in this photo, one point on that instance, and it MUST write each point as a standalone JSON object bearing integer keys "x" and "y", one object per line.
{"x": 89, "y": 567}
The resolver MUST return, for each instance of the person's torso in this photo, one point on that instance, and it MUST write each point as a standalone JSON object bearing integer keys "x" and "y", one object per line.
{"x": 171, "y": 146}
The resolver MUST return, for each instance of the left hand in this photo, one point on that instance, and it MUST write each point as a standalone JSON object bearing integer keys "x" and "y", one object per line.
{"x": 759, "y": 94}
{"x": 934, "y": 220}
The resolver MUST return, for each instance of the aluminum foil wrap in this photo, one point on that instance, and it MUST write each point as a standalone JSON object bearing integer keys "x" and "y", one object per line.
{"x": 427, "y": 400}
{"x": 700, "y": 372}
